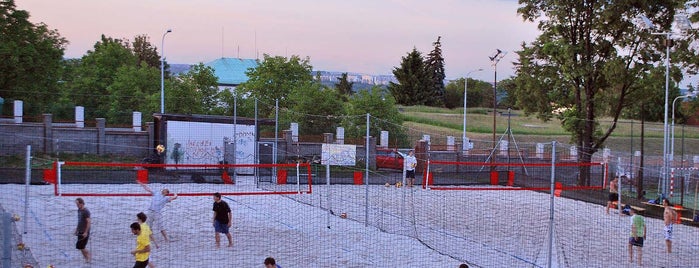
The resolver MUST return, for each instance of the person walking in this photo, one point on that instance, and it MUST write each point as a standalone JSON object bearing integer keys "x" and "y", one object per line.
{"x": 142, "y": 251}
{"x": 410, "y": 163}
{"x": 82, "y": 231}
{"x": 669, "y": 218}
{"x": 222, "y": 220}
{"x": 638, "y": 235}
{"x": 155, "y": 209}
{"x": 142, "y": 218}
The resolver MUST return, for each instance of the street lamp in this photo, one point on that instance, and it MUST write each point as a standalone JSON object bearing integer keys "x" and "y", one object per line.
{"x": 672, "y": 142}
{"x": 684, "y": 24}
{"x": 464, "y": 139}
{"x": 162, "y": 72}
{"x": 499, "y": 54}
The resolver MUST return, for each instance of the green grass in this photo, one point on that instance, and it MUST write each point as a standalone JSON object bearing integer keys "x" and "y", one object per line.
{"x": 479, "y": 122}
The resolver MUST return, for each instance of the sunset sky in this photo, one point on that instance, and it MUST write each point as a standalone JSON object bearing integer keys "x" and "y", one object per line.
{"x": 355, "y": 36}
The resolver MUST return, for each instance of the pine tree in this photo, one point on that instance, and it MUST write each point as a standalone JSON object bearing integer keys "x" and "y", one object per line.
{"x": 412, "y": 82}
{"x": 434, "y": 70}
{"x": 344, "y": 87}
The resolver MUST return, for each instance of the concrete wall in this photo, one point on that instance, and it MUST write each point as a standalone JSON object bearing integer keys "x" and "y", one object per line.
{"x": 51, "y": 138}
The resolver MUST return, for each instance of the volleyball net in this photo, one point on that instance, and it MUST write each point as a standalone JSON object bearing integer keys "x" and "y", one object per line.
{"x": 534, "y": 176}
{"x": 183, "y": 179}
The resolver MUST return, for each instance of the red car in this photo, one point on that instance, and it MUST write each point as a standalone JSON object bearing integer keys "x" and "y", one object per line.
{"x": 389, "y": 158}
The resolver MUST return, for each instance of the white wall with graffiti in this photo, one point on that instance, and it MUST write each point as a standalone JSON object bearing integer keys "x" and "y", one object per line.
{"x": 205, "y": 143}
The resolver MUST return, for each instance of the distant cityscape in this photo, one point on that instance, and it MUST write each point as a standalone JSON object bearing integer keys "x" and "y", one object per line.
{"x": 326, "y": 77}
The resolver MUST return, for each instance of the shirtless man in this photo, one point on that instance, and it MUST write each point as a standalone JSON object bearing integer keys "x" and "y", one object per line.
{"x": 613, "y": 192}
{"x": 669, "y": 217}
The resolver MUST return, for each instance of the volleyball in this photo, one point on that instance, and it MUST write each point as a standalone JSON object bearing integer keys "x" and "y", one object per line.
{"x": 343, "y": 215}
{"x": 15, "y": 217}
{"x": 388, "y": 184}
{"x": 20, "y": 246}
{"x": 160, "y": 148}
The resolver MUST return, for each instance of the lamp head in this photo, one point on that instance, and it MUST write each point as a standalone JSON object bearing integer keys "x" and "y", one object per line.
{"x": 169, "y": 30}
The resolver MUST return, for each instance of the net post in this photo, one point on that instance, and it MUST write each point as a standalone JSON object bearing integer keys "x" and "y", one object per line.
{"x": 58, "y": 176}
{"x": 551, "y": 208}
{"x": 298, "y": 178}
{"x": 27, "y": 180}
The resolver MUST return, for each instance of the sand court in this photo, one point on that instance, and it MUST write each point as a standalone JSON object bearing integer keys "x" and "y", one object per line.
{"x": 407, "y": 227}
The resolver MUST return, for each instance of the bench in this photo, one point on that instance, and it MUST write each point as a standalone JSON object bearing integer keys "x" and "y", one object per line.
{"x": 679, "y": 209}
{"x": 688, "y": 221}
{"x": 639, "y": 210}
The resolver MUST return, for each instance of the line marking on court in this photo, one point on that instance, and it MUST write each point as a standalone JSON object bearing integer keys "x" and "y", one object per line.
{"x": 46, "y": 233}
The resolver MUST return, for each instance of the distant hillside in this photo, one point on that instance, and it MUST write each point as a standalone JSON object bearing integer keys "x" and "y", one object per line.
{"x": 177, "y": 69}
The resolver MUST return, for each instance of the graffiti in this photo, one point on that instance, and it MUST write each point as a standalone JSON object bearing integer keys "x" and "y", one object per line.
{"x": 202, "y": 151}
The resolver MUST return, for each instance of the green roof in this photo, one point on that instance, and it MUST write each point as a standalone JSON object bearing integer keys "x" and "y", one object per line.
{"x": 231, "y": 71}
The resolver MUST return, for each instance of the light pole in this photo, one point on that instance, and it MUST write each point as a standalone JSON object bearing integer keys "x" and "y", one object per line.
{"x": 672, "y": 141}
{"x": 684, "y": 24}
{"x": 162, "y": 72}
{"x": 499, "y": 54}
{"x": 464, "y": 139}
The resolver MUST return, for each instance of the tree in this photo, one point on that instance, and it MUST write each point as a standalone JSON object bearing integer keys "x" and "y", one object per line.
{"x": 384, "y": 115}
{"x": 275, "y": 78}
{"x": 31, "y": 59}
{"x": 589, "y": 60}
{"x": 413, "y": 82}
{"x": 454, "y": 93}
{"x": 196, "y": 92}
{"x": 317, "y": 109}
{"x": 434, "y": 69}
{"x": 96, "y": 72}
{"x": 130, "y": 92}
{"x": 344, "y": 86}
{"x": 145, "y": 52}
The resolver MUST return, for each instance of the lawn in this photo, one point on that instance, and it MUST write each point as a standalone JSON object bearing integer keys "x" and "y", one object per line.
{"x": 479, "y": 125}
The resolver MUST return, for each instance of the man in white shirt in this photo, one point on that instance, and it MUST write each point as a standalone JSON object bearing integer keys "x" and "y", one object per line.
{"x": 155, "y": 219}
{"x": 410, "y": 162}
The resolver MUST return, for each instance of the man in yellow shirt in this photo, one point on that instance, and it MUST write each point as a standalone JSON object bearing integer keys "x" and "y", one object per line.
{"x": 145, "y": 229}
{"x": 142, "y": 251}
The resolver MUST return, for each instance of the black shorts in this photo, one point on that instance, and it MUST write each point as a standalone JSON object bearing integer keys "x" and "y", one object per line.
{"x": 636, "y": 241}
{"x": 141, "y": 264}
{"x": 82, "y": 242}
{"x": 613, "y": 197}
{"x": 410, "y": 174}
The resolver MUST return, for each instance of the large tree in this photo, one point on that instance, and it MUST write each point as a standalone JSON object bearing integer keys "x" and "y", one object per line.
{"x": 317, "y": 109}
{"x": 589, "y": 60}
{"x": 31, "y": 59}
{"x": 196, "y": 92}
{"x": 96, "y": 72}
{"x": 413, "y": 82}
{"x": 383, "y": 111}
{"x": 131, "y": 90}
{"x": 145, "y": 51}
{"x": 275, "y": 78}
{"x": 434, "y": 69}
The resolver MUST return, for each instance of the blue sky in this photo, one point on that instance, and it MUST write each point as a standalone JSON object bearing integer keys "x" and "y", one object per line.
{"x": 357, "y": 36}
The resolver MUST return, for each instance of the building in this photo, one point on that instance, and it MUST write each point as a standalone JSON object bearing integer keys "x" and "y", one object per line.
{"x": 231, "y": 71}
